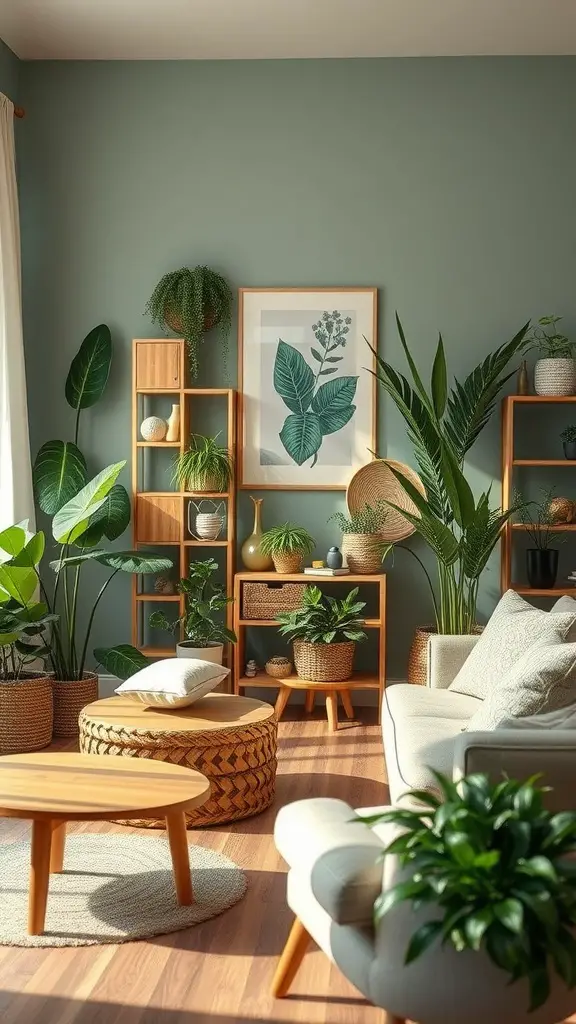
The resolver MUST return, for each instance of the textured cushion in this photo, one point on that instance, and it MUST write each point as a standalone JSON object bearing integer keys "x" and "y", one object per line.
{"x": 514, "y": 626}
{"x": 173, "y": 682}
{"x": 563, "y": 718}
{"x": 566, "y": 604}
{"x": 420, "y": 726}
{"x": 543, "y": 679}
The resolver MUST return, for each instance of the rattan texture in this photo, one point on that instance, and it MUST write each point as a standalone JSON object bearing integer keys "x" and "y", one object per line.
{"x": 262, "y": 601}
{"x": 278, "y": 667}
{"x": 375, "y": 482}
{"x": 70, "y": 697}
{"x": 26, "y": 714}
{"x": 324, "y": 663}
{"x": 239, "y": 761}
{"x": 418, "y": 655}
{"x": 363, "y": 552}
{"x": 289, "y": 562}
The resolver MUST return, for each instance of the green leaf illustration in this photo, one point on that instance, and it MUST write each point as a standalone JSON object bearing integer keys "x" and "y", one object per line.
{"x": 334, "y": 394}
{"x": 301, "y": 436}
{"x": 330, "y": 422}
{"x": 316, "y": 354}
{"x": 332, "y": 369}
{"x": 293, "y": 378}
{"x": 334, "y": 359}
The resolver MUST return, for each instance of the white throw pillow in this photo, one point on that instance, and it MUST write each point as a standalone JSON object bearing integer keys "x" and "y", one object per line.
{"x": 173, "y": 682}
{"x": 565, "y": 718}
{"x": 562, "y": 605}
{"x": 542, "y": 680}
{"x": 514, "y": 626}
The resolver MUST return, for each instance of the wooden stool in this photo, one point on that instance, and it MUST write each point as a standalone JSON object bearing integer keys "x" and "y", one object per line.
{"x": 332, "y": 690}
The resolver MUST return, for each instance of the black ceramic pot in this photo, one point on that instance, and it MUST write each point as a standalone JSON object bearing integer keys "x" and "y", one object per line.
{"x": 569, "y": 449}
{"x": 542, "y": 567}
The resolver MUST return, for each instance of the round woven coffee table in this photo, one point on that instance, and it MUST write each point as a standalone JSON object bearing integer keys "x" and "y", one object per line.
{"x": 231, "y": 740}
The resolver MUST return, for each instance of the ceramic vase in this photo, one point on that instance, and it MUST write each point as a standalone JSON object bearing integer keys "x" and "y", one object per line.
{"x": 187, "y": 649}
{"x": 542, "y": 567}
{"x": 334, "y": 558}
{"x": 569, "y": 450}
{"x": 173, "y": 433}
{"x": 208, "y": 525}
{"x": 252, "y": 557}
{"x": 523, "y": 384}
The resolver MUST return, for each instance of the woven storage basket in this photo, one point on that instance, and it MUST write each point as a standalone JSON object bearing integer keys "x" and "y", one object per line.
{"x": 288, "y": 563}
{"x": 363, "y": 552}
{"x": 278, "y": 667}
{"x": 264, "y": 600}
{"x": 202, "y": 482}
{"x": 324, "y": 663}
{"x": 70, "y": 697}
{"x": 375, "y": 482}
{"x": 26, "y": 714}
{"x": 418, "y": 656}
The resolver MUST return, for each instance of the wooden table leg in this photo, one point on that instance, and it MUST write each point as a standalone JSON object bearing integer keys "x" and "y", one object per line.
{"x": 292, "y": 956}
{"x": 39, "y": 874}
{"x": 281, "y": 701}
{"x": 178, "y": 839}
{"x": 309, "y": 701}
{"x": 57, "y": 847}
{"x": 347, "y": 703}
{"x": 332, "y": 709}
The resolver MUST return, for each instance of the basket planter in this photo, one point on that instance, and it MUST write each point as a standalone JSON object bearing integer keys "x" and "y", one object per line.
{"x": 555, "y": 377}
{"x": 264, "y": 600}
{"x": 278, "y": 667}
{"x": 188, "y": 649}
{"x": 200, "y": 483}
{"x": 70, "y": 697}
{"x": 288, "y": 563}
{"x": 174, "y": 320}
{"x": 418, "y": 656}
{"x": 363, "y": 552}
{"x": 26, "y": 714}
{"x": 324, "y": 663}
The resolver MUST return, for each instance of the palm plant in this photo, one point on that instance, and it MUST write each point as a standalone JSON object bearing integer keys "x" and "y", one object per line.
{"x": 204, "y": 466}
{"x": 442, "y": 426}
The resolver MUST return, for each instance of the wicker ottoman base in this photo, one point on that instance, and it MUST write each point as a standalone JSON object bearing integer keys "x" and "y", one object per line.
{"x": 231, "y": 740}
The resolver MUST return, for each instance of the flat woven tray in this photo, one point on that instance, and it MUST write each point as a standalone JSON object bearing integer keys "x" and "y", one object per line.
{"x": 375, "y": 482}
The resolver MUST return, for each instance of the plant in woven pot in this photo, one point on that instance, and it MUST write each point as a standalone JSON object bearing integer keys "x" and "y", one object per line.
{"x": 25, "y": 694}
{"x": 324, "y": 633}
{"x": 205, "y": 602}
{"x": 361, "y": 543}
{"x": 442, "y": 425}
{"x": 287, "y": 545}
{"x": 84, "y": 511}
{"x": 190, "y": 302}
{"x": 555, "y": 371}
{"x": 204, "y": 466}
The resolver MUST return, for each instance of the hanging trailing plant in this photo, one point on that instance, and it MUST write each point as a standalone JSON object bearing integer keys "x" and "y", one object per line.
{"x": 191, "y": 302}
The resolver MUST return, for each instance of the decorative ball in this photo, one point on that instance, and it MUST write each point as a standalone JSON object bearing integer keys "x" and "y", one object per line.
{"x": 153, "y": 428}
{"x": 278, "y": 666}
{"x": 561, "y": 510}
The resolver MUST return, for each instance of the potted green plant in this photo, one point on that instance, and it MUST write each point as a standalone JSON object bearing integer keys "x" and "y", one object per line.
{"x": 568, "y": 438}
{"x": 83, "y": 512}
{"x": 538, "y": 518}
{"x": 204, "y": 466}
{"x": 487, "y": 871}
{"x": 191, "y": 302}
{"x": 204, "y": 603}
{"x": 25, "y": 694}
{"x": 555, "y": 371}
{"x": 287, "y": 546}
{"x": 361, "y": 543}
{"x": 324, "y": 632}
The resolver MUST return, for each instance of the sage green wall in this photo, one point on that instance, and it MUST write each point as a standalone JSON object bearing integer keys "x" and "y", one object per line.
{"x": 448, "y": 183}
{"x": 9, "y": 72}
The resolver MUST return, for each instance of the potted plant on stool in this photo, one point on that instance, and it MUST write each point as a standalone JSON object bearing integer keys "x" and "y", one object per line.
{"x": 287, "y": 545}
{"x": 324, "y": 632}
{"x": 205, "y": 635}
{"x": 362, "y": 545}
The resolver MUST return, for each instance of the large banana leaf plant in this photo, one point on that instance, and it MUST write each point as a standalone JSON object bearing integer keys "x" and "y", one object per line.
{"x": 24, "y": 621}
{"x": 84, "y": 512}
{"x": 442, "y": 425}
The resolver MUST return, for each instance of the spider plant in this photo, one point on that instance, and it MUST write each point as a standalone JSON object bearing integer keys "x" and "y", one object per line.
{"x": 204, "y": 466}
{"x": 287, "y": 539}
{"x": 442, "y": 426}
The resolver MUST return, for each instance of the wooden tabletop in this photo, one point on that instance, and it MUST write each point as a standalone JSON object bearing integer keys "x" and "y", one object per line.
{"x": 76, "y": 787}
{"x": 212, "y": 713}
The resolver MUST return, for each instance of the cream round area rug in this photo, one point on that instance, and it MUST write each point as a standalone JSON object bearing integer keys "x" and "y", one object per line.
{"x": 114, "y": 888}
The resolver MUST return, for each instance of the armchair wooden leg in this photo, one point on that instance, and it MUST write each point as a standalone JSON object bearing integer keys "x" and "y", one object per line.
{"x": 290, "y": 960}
{"x": 282, "y": 700}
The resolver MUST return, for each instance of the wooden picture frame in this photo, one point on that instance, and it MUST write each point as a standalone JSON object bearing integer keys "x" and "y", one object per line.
{"x": 305, "y": 386}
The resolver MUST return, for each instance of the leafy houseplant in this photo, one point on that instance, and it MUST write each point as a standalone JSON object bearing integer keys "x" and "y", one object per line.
{"x": 204, "y": 466}
{"x": 488, "y": 869}
{"x": 442, "y": 426}
{"x": 191, "y": 302}
{"x": 555, "y": 371}
{"x": 324, "y": 632}
{"x": 538, "y": 518}
{"x": 287, "y": 545}
{"x": 568, "y": 438}
{"x": 362, "y": 545}
{"x": 205, "y": 601}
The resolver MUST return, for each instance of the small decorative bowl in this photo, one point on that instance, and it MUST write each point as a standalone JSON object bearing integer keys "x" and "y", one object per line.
{"x": 278, "y": 667}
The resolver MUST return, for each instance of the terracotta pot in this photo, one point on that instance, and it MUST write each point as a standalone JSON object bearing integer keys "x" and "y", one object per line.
{"x": 70, "y": 697}
{"x": 26, "y": 713}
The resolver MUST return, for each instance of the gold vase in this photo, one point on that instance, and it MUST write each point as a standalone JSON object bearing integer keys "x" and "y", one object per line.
{"x": 252, "y": 556}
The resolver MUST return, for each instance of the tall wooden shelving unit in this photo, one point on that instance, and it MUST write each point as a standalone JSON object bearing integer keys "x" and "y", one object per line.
{"x": 160, "y": 518}
{"x": 510, "y": 406}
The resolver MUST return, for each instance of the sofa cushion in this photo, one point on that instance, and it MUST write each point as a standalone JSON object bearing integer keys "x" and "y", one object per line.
{"x": 566, "y": 604}
{"x": 514, "y": 626}
{"x": 419, "y": 726}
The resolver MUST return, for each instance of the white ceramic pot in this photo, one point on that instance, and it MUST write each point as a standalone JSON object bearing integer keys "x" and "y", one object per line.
{"x": 208, "y": 525}
{"x": 214, "y": 653}
{"x": 555, "y": 377}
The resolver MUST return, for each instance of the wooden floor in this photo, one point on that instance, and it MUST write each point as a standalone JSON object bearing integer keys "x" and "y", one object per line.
{"x": 219, "y": 972}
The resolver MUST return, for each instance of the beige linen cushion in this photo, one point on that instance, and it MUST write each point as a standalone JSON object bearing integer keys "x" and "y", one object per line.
{"x": 173, "y": 682}
{"x": 514, "y": 627}
{"x": 565, "y": 718}
{"x": 562, "y": 605}
{"x": 542, "y": 680}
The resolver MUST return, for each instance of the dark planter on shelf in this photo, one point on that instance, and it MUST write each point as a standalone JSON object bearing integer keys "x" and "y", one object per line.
{"x": 569, "y": 449}
{"x": 542, "y": 567}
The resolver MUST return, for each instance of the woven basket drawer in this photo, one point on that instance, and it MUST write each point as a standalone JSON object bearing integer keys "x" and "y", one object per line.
{"x": 265, "y": 600}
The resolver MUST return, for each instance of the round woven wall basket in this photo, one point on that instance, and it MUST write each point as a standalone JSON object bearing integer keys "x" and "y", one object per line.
{"x": 376, "y": 482}
{"x": 418, "y": 656}
{"x": 26, "y": 713}
{"x": 324, "y": 663}
{"x": 288, "y": 563}
{"x": 70, "y": 698}
{"x": 363, "y": 552}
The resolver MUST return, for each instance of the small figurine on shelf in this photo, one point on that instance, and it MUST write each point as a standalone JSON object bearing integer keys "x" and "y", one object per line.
{"x": 164, "y": 585}
{"x": 153, "y": 428}
{"x": 251, "y": 669}
{"x": 334, "y": 558}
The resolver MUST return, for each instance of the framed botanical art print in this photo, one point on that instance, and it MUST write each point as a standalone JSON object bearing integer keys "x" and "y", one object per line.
{"x": 307, "y": 399}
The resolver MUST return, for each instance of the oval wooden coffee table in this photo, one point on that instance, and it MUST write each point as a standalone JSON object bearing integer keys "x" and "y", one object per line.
{"x": 52, "y": 789}
{"x": 231, "y": 740}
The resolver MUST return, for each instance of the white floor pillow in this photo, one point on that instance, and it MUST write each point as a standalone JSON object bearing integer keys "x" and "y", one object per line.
{"x": 173, "y": 682}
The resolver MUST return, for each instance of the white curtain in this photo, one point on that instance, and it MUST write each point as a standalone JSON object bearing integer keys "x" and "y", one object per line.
{"x": 16, "y": 502}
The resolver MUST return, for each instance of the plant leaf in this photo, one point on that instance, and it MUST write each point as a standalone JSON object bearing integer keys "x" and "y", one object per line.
{"x": 301, "y": 436}
{"x": 19, "y": 583}
{"x": 32, "y": 552}
{"x": 58, "y": 474}
{"x": 72, "y": 519}
{"x": 334, "y": 394}
{"x": 316, "y": 354}
{"x": 510, "y": 913}
{"x": 332, "y": 422}
{"x": 134, "y": 561}
{"x": 422, "y": 939}
{"x": 12, "y": 540}
{"x": 111, "y": 519}
{"x": 439, "y": 384}
{"x": 122, "y": 661}
{"x": 330, "y": 369}
{"x": 293, "y": 378}
{"x": 90, "y": 368}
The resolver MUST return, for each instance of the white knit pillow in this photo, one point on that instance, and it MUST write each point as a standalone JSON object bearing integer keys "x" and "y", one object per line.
{"x": 542, "y": 680}
{"x": 173, "y": 682}
{"x": 514, "y": 626}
